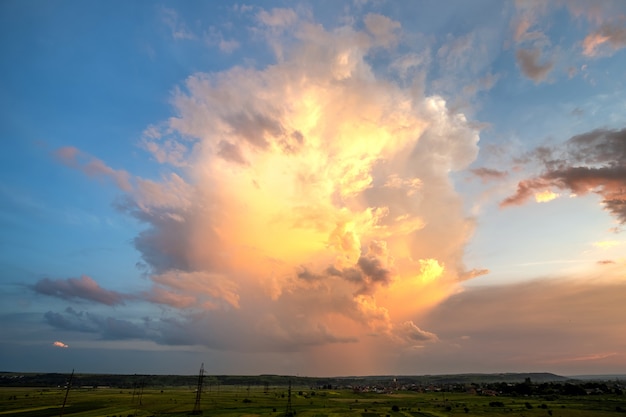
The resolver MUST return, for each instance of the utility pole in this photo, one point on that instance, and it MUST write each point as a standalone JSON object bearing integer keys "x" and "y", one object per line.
{"x": 139, "y": 386}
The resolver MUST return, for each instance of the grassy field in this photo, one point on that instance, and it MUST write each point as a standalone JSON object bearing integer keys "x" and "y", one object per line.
{"x": 273, "y": 401}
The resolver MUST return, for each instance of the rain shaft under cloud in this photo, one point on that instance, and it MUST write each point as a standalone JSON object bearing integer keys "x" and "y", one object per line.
{"x": 307, "y": 203}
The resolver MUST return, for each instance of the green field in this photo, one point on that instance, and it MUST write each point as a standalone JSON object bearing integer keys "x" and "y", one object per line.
{"x": 305, "y": 402}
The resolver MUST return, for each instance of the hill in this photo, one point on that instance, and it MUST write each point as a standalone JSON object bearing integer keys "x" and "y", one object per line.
{"x": 128, "y": 381}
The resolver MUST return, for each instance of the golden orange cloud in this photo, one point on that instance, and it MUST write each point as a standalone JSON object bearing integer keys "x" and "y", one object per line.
{"x": 309, "y": 202}
{"x": 545, "y": 196}
{"x": 605, "y": 244}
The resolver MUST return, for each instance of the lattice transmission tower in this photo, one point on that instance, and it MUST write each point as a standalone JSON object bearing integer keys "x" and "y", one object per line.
{"x": 289, "y": 412}
{"x": 196, "y": 406}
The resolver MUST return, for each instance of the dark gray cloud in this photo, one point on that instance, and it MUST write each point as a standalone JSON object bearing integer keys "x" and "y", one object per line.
{"x": 529, "y": 62}
{"x": 83, "y": 288}
{"x": 373, "y": 268}
{"x": 305, "y": 274}
{"x": 591, "y": 162}
{"x": 109, "y": 328}
{"x": 601, "y": 146}
{"x": 70, "y": 320}
{"x": 370, "y": 272}
{"x": 488, "y": 174}
{"x": 253, "y": 127}
{"x": 231, "y": 152}
{"x": 163, "y": 244}
{"x": 231, "y": 332}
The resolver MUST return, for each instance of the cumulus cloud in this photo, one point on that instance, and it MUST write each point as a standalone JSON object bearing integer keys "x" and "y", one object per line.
{"x": 83, "y": 288}
{"x": 311, "y": 204}
{"x": 591, "y": 162}
{"x": 409, "y": 331}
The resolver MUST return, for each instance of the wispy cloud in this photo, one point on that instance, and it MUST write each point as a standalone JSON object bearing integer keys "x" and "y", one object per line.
{"x": 93, "y": 167}
{"x": 383, "y": 29}
{"x": 489, "y": 174}
{"x": 605, "y": 244}
{"x": 60, "y": 344}
{"x": 177, "y": 26}
{"x": 277, "y": 17}
{"x": 608, "y": 34}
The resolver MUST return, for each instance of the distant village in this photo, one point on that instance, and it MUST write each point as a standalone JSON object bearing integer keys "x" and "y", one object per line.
{"x": 526, "y": 388}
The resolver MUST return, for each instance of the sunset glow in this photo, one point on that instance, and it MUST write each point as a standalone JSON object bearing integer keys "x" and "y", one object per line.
{"x": 344, "y": 189}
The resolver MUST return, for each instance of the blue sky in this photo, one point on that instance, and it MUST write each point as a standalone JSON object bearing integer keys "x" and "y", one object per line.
{"x": 271, "y": 187}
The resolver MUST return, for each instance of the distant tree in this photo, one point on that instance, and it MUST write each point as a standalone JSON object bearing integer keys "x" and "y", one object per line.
{"x": 524, "y": 389}
{"x": 571, "y": 389}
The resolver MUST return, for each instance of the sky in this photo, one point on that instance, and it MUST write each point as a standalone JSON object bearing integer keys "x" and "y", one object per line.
{"x": 321, "y": 188}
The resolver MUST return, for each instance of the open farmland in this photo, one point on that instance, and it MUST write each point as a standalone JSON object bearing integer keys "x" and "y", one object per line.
{"x": 265, "y": 400}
